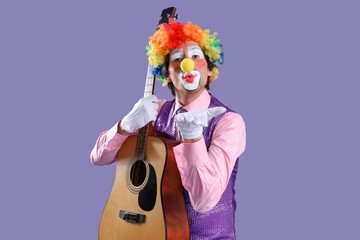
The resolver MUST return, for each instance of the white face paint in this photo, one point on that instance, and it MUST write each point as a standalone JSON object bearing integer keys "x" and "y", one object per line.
{"x": 177, "y": 55}
{"x": 191, "y": 80}
{"x": 195, "y": 52}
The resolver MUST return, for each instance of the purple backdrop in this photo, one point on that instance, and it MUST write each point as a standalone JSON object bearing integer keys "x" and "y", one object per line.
{"x": 70, "y": 69}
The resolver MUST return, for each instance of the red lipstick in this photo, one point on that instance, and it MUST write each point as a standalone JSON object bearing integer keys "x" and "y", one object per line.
{"x": 189, "y": 77}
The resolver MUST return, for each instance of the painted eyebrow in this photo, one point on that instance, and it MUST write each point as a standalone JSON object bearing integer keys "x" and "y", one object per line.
{"x": 177, "y": 51}
{"x": 176, "y": 54}
{"x": 193, "y": 47}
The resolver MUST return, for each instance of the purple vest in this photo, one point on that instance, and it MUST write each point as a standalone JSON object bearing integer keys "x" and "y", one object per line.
{"x": 218, "y": 223}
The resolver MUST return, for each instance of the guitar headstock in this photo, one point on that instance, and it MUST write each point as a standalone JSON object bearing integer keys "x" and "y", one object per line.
{"x": 166, "y": 14}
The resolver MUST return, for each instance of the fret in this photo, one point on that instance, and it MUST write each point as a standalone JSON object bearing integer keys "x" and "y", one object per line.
{"x": 142, "y": 135}
{"x": 149, "y": 85}
{"x": 148, "y": 93}
{"x": 141, "y": 142}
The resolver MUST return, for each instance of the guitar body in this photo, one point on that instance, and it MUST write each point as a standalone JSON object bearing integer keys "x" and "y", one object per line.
{"x": 151, "y": 207}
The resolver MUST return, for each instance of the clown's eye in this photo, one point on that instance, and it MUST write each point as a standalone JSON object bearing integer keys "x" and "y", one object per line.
{"x": 178, "y": 59}
{"x": 196, "y": 56}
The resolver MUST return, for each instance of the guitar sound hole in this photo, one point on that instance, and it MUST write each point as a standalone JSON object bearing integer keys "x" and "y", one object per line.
{"x": 138, "y": 173}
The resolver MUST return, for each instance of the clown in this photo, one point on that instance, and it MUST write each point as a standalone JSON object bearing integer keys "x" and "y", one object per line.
{"x": 211, "y": 135}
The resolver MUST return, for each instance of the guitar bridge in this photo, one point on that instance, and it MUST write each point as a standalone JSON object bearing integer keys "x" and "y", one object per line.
{"x": 132, "y": 217}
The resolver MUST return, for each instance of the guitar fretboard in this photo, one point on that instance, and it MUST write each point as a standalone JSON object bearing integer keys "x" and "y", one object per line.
{"x": 149, "y": 90}
{"x": 149, "y": 86}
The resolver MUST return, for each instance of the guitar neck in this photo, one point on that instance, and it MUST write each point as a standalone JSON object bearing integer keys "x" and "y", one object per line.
{"x": 150, "y": 82}
{"x": 149, "y": 90}
{"x": 149, "y": 86}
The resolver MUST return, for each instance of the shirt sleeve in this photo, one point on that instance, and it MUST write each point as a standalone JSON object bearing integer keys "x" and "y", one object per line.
{"x": 107, "y": 146}
{"x": 205, "y": 173}
{"x": 109, "y": 143}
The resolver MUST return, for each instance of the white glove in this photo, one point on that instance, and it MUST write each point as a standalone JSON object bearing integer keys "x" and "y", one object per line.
{"x": 190, "y": 124}
{"x": 143, "y": 112}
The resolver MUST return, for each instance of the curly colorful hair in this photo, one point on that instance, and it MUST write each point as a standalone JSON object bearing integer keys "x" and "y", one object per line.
{"x": 172, "y": 35}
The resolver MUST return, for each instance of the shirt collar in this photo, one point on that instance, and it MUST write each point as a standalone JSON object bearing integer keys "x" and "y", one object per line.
{"x": 202, "y": 102}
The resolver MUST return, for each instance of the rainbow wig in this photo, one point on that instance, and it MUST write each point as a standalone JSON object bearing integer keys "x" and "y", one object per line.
{"x": 172, "y": 35}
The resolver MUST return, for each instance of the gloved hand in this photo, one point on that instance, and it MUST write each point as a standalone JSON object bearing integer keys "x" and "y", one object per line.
{"x": 190, "y": 124}
{"x": 143, "y": 112}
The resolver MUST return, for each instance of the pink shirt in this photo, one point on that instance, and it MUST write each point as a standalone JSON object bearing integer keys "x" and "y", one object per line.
{"x": 204, "y": 173}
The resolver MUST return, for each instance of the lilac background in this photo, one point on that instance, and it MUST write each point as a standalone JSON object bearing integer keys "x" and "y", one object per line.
{"x": 70, "y": 69}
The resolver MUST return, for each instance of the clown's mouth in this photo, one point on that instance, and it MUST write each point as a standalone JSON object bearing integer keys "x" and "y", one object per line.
{"x": 189, "y": 77}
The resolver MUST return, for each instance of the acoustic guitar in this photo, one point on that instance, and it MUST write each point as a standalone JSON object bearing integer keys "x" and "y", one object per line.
{"x": 146, "y": 201}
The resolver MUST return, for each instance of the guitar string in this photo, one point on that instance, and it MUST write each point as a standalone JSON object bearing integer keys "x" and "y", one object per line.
{"x": 135, "y": 172}
{"x": 149, "y": 90}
